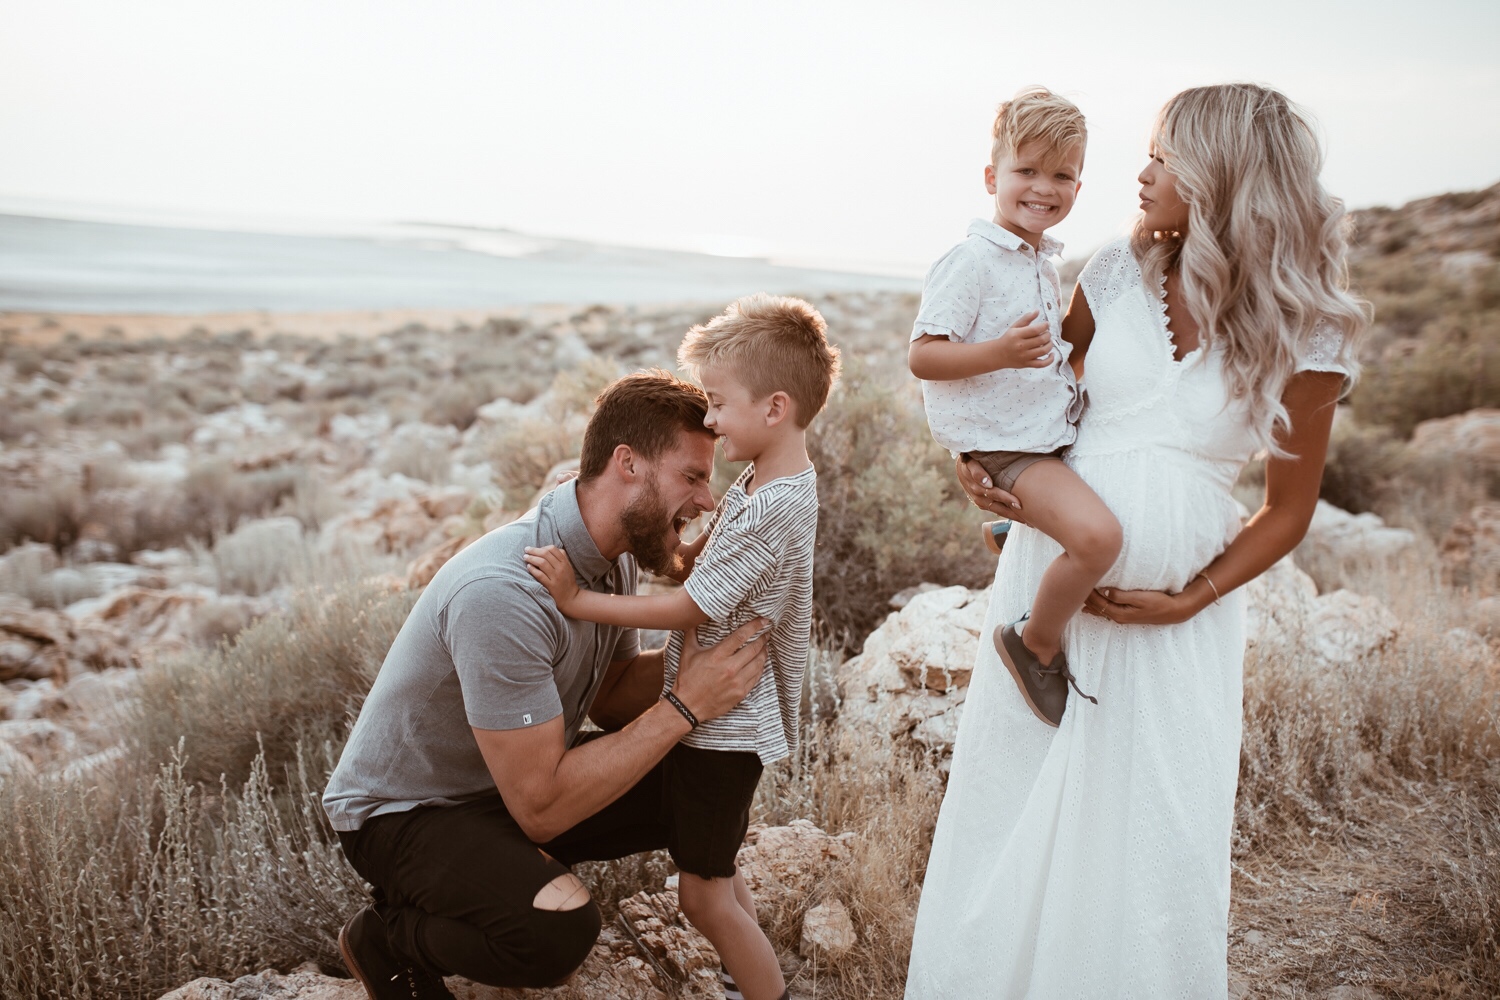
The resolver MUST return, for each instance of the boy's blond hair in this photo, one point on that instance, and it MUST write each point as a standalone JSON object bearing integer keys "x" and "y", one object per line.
{"x": 1036, "y": 114}
{"x": 773, "y": 344}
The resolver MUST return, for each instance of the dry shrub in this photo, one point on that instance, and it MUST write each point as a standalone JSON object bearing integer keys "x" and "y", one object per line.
{"x": 455, "y": 402}
{"x": 48, "y": 513}
{"x": 131, "y": 887}
{"x": 523, "y": 453}
{"x": 260, "y": 556}
{"x": 1316, "y": 739}
{"x": 299, "y": 675}
{"x": 413, "y": 457}
{"x": 891, "y": 513}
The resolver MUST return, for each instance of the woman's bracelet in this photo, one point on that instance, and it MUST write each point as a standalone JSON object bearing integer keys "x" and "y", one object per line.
{"x": 676, "y": 703}
{"x": 1211, "y": 586}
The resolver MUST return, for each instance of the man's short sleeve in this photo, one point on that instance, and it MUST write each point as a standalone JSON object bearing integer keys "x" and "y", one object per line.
{"x": 738, "y": 556}
{"x": 950, "y": 295}
{"x": 500, "y": 638}
{"x": 628, "y": 646}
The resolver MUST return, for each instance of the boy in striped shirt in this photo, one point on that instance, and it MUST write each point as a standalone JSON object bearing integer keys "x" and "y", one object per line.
{"x": 767, "y": 368}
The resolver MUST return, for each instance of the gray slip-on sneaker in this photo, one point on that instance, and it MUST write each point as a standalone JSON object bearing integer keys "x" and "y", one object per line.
{"x": 1044, "y": 688}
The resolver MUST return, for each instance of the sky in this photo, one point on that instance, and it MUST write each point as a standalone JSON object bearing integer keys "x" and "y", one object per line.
{"x": 852, "y": 134}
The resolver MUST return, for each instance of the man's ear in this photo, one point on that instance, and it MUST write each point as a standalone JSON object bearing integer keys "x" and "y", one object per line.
{"x": 778, "y": 408}
{"x": 624, "y": 462}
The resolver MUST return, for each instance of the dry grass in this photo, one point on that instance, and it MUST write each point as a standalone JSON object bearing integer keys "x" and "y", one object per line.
{"x": 301, "y": 675}
{"x": 132, "y": 887}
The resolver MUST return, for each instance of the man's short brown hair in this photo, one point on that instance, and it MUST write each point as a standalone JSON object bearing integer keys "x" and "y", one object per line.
{"x": 771, "y": 344}
{"x": 646, "y": 411}
{"x": 1037, "y": 115}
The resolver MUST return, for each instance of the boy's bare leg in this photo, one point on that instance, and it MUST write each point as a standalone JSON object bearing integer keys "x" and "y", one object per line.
{"x": 1062, "y": 506}
{"x": 714, "y": 906}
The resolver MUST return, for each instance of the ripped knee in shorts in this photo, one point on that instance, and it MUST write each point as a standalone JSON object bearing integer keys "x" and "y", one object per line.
{"x": 566, "y": 892}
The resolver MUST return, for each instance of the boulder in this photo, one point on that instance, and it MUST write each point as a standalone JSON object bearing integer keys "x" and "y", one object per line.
{"x": 425, "y": 519}
{"x": 41, "y": 741}
{"x": 1353, "y": 543}
{"x": 827, "y": 932}
{"x": 1471, "y": 438}
{"x": 1344, "y": 627}
{"x": 421, "y": 570}
{"x": 910, "y": 681}
{"x": 34, "y": 642}
{"x": 1471, "y": 550}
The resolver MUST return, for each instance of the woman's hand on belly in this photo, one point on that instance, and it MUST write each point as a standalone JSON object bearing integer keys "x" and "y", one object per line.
{"x": 1148, "y": 607}
{"x": 984, "y": 494}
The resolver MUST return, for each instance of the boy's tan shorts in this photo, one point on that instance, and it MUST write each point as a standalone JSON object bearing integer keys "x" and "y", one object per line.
{"x": 1005, "y": 467}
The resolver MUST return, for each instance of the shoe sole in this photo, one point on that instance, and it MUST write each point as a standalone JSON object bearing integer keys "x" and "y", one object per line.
{"x": 349, "y": 963}
{"x": 1015, "y": 674}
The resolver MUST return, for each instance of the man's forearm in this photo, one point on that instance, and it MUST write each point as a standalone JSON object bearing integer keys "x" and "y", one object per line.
{"x": 594, "y": 774}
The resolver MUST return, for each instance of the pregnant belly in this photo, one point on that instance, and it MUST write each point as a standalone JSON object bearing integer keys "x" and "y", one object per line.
{"x": 1176, "y": 514}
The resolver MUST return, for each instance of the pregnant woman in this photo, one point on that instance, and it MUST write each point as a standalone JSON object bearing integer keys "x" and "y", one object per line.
{"x": 1092, "y": 861}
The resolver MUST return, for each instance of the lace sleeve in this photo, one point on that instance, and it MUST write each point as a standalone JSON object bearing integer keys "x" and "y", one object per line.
{"x": 1327, "y": 352}
{"x": 1109, "y": 273}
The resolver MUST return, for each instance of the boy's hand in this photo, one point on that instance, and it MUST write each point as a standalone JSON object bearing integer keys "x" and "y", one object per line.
{"x": 688, "y": 553}
{"x": 1027, "y": 344}
{"x": 552, "y": 568}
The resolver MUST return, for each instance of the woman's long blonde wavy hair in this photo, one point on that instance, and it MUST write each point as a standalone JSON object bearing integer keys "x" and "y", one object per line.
{"x": 1262, "y": 261}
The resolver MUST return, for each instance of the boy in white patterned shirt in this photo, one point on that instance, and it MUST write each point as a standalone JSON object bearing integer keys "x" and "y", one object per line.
{"x": 767, "y": 368}
{"x": 988, "y": 345}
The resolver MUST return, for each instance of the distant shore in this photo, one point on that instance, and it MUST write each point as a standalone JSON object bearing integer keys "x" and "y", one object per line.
{"x": 77, "y": 267}
{"x": 44, "y": 328}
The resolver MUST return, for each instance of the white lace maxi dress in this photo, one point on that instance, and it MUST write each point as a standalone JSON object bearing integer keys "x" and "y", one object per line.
{"x": 1093, "y": 860}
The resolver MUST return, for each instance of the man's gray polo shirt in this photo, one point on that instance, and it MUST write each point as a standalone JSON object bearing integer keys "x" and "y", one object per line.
{"x": 485, "y": 647}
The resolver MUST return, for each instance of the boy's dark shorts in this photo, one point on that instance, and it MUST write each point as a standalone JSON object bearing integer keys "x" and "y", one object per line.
{"x": 707, "y": 795}
{"x": 1005, "y": 467}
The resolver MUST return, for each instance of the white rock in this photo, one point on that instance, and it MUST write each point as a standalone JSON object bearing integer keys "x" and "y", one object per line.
{"x": 911, "y": 678}
{"x": 827, "y": 932}
{"x": 1364, "y": 539}
{"x": 1345, "y": 627}
{"x": 41, "y": 741}
{"x": 30, "y": 559}
{"x": 361, "y": 429}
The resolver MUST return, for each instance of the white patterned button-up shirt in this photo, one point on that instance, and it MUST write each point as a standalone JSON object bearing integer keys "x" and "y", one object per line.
{"x": 974, "y": 293}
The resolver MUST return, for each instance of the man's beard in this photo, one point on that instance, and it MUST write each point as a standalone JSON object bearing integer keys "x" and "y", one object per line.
{"x": 645, "y": 521}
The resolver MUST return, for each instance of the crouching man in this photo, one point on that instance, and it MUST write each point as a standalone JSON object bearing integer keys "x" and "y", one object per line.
{"x": 465, "y": 790}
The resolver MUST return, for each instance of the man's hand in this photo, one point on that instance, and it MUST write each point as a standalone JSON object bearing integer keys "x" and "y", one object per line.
{"x": 712, "y": 680}
{"x": 1027, "y": 344}
{"x": 552, "y": 568}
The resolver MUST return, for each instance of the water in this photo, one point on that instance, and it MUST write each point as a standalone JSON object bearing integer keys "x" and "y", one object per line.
{"x": 62, "y": 265}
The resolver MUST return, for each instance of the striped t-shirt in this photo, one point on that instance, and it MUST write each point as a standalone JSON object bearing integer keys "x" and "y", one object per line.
{"x": 758, "y": 563}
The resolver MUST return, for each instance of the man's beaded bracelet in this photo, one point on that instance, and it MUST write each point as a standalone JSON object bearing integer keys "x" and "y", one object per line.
{"x": 676, "y": 703}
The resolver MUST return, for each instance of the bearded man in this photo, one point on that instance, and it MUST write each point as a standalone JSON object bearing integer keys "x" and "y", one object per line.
{"x": 466, "y": 788}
